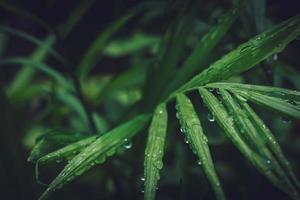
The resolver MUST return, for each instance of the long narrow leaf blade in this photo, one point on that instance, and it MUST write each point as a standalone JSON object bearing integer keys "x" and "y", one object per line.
{"x": 191, "y": 126}
{"x": 286, "y": 107}
{"x": 97, "y": 152}
{"x": 249, "y": 130}
{"x": 51, "y": 141}
{"x": 33, "y": 40}
{"x": 248, "y": 54}
{"x": 24, "y": 75}
{"x": 68, "y": 151}
{"x": 40, "y": 66}
{"x": 271, "y": 141}
{"x": 207, "y": 43}
{"x": 227, "y": 123}
{"x": 155, "y": 150}
{"x": 286, "y": 94}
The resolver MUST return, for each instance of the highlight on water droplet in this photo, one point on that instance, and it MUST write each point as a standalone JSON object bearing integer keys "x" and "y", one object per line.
{"x": 142, "y": 179}
{"x": 128, "y": 144}
{"x": 210, "y": 117}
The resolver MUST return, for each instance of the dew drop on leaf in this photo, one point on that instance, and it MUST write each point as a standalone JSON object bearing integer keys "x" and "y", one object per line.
{"x": 199, "y": 162}
{"x": 127, "y": 144}
{"x": 210, "y": 117}
{"x": 186, "y": 140}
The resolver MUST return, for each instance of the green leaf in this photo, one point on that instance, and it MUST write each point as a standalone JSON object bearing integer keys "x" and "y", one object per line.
{"x": 97, "y": 152}
{"x": 270, "y": 140}
{"x": 33, "y": 40}
{"x": 170, "y": 50}
{"x": 282, "y": 93}
{"x": 51, "y": 141}
{"x": 67, "y": 152}
{"x": 207, "y": 43}
{"x": 137, "y": 42}
{"x": 248, "y": 129}
{"x": 282, "y": 106}
{"x": 75, "y": 17}
{"x": 97, "y": 47}
{"x": 155, "y": 150}
{"x": 227, "y": 123}
{"x": 25, "y": 75}
{"x": 247, "y": 55}
{"x": 40, "y": 66}
{"x": 191, "y": 126}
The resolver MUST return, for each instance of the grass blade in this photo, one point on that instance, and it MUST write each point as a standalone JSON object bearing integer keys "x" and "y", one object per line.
{"x": 97, "y": 152}
{"x": 33, "y": 40}
{"x": 226, "y": 122}
{"x": 191, "y": 126}
{"x": 52, "y": 141}
{"x": 135, "y": 43}
{"x": 40, "y": 66}
{"x": 67, "y": 152}
{"x": 155, "y": 150}
{"x": 282, "y": 93}
{"x": 75, "y": 17}
{"x": 98, "y": 45}
{"x": 270, "y": 140}
{"x": 24, "y": 75}
{"x": 207, "y": 43}
{"x": 276, "y": 104}
{"x": 247, "y": 55}
{"x": 249, "y": 130}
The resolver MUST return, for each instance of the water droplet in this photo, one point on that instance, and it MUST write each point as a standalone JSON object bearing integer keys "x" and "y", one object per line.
{"x": 186, "y": 140}
{"x": 143, "y": 179}
{"x": 275, "y": 57}
{"x": 177, "y": 115}
{"x": 128, "y": 144}
{"x": 211, "y": 89}
{"x": 160, "y": 112}
{"x": 268, "y": 162}
{"x": 58, "y": 160}
{"x": 199, "y": 162}
{"x": 210, "y": 117}
{"x": 142, "y": 191}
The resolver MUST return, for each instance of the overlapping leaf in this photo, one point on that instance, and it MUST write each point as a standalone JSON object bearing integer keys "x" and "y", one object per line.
{"x": 227, "y": 123}
{"x": 97, "y": 152}
{"x": 52, "y": 141}
{"x": 155, "y": 150}
{"x": 207, "y": 43}
{"x": 191, "y": 126}
{"x": 253, "y": 138}
{"x": 247, "y": 55}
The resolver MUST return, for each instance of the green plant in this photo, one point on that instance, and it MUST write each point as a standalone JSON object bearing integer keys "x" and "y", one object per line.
{"x": 226, "y": 101}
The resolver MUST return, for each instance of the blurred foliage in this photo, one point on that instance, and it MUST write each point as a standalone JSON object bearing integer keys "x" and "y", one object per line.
{"x": 78, "y": 80}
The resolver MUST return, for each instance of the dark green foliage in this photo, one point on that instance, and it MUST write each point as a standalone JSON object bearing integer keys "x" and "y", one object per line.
{"x": 106, "y": 112}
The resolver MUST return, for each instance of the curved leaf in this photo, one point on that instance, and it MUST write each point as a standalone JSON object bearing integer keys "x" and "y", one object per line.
{"x": 97, "y": 152}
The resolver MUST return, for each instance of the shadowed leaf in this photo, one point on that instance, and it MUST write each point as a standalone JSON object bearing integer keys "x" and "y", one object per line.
{"x": 191, "y": 126}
